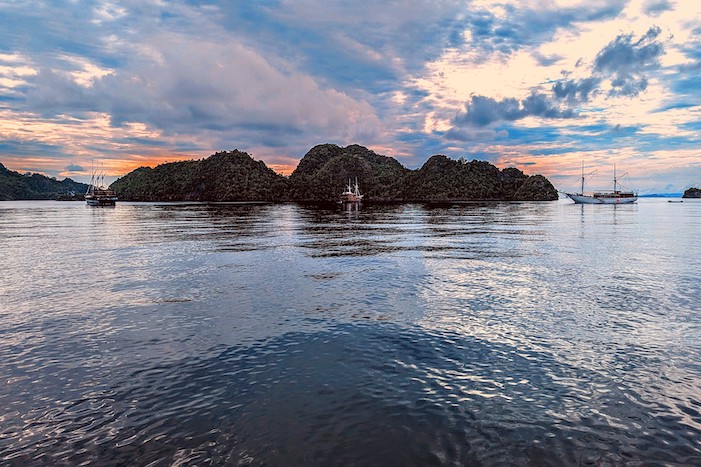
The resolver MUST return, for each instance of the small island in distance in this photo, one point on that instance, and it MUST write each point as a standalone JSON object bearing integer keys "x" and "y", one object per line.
{"x": 692, "y": 193}
{"x": 323, "y": 172}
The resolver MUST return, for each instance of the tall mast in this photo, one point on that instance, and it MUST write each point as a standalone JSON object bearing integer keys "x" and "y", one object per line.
{"x": 614, "y": 177}
{"x": 582, "y": 192}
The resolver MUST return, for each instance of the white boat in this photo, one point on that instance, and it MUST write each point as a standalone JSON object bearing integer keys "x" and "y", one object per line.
{"x": 352, "y": 193}
{"x": 98, "y": 194}
{"x": 604, "y": 197}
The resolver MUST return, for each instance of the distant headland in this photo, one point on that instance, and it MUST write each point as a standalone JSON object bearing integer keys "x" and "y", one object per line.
{"x": 322, "y": 174}
{"x": 692, "y": 193}
{"x": 17, "y": 186}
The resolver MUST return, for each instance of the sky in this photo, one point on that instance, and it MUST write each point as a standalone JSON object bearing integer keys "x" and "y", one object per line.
{"x": 542, "y": 85}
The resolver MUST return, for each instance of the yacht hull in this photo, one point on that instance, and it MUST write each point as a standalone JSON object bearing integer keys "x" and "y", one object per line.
{"x": 584, "y": 199}
{"x": 100, "y": 200}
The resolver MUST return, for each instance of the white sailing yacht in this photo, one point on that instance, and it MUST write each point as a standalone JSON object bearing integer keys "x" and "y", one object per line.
{"x": 352, "y": 193}
{"x": 604, "y": 197}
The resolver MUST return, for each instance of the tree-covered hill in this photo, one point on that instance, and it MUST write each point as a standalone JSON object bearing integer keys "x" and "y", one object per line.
{"x": 224, "y": 176}
{"x": 442, "y": 179}
{"x": 325, "y": 170}
{"x": 322, "y": 175}
{"x": 17, "y": 186}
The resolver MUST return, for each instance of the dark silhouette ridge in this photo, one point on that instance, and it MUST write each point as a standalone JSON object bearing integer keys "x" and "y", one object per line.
{"x": 322, "y": 174}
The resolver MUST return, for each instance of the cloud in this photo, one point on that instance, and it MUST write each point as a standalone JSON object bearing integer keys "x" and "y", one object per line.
{"x": 179, "y": 85}
{"x": 364, "y": 44}
{"x": 507, "y": 27}
{"x": 576, "y": 90}
{"x": 482, "y": 111}
{"x": 74, "y": 168}
{"x": 472, "y": 134}
{"x": 625, "y": 60}
{"x": 622, "y": 63}
{"x": 657, "y": 7}
{"x": 546, "y": 60}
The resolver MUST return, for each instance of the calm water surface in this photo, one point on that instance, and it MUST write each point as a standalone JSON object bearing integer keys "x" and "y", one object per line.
{"x": 481, "y": 334}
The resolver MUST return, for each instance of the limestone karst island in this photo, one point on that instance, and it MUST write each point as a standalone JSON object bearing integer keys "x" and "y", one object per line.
{"x": 323, "y": 172}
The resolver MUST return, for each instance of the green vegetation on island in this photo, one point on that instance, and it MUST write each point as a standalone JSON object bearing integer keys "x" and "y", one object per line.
{"x": 17, "y": 186}
{"x": 326, "y": 168}
{"x": 324, "y": 171}
{"x": 443, "y": 180}
{"x": 322, "y": 175}
{"x": 692, "y": 193}
{"x": 224, "y": 176}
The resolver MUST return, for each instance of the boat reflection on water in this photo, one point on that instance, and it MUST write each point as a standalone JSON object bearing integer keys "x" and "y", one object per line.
{"x": 351, "y": 207}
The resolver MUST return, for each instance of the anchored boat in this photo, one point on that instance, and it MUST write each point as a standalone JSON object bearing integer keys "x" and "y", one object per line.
{"x": 98, "y": 193}
{"x": 352, "y": 193}
{"x": 604, "y": 197}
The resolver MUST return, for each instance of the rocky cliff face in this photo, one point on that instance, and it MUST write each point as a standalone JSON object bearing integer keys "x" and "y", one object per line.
{"x": 692, "y": 193}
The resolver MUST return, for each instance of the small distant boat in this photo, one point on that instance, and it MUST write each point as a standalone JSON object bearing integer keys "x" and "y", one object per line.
{"x": 603, "y": 197}
{"x": 352, "y": 193}
{"x": 98, "y": 193}
{"x": 675, "y": 201}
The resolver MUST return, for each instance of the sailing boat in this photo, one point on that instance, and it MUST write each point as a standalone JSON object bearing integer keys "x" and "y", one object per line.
{"x": 352, "y": 193}
{"x": 98, "y": 193}
{"x": 604, "y": 197}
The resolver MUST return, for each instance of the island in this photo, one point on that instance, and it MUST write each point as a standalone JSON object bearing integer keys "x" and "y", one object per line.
{"x": 692, "y": 193}
{"x": 17, "y": 186}
{"x": 322, "y": 174}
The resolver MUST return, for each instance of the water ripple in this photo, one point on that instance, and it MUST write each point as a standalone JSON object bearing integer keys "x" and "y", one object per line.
{"x": 480, "y": 334}
{"x": 370, "y": 394}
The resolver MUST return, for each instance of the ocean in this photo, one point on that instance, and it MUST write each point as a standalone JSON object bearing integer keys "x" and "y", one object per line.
{"x": 257, "y": 334}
